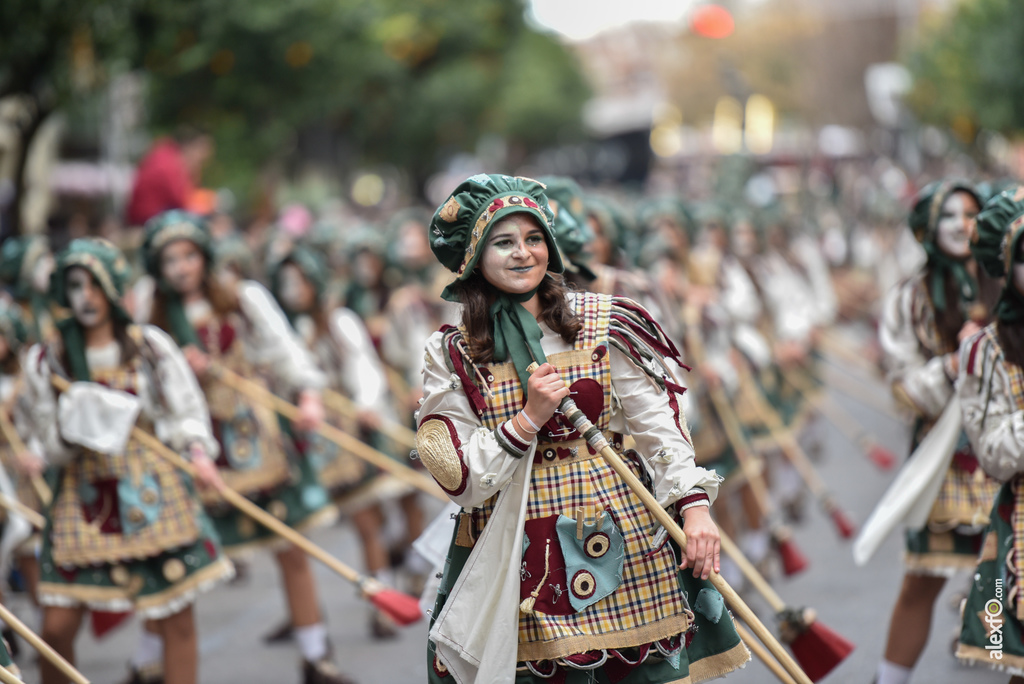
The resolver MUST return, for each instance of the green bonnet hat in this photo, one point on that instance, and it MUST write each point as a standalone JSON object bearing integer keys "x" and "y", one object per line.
{"x": 17, "y": 259}
{"x": 572, "y": 233}
{"x": 309, "y": 262}
{"x": 232, "y": 251}
{"x": 996, "y": 246}
{"x": 460, "y": 225}
{"x": 171, "y": 226}
{"x": 666, "y": 208}
{"x": 111, "y": 271}
{"x": 923, "y": 221}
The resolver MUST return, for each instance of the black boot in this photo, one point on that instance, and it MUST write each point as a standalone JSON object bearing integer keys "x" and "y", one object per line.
{"x": 323, "y": 672}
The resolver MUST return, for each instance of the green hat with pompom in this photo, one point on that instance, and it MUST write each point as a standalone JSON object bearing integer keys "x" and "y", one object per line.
{"x": 996, "y": 246}
{"x": 459, "y": 227}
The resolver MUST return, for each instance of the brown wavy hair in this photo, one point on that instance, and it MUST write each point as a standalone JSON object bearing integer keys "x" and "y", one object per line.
{"x": 477, "y": 295}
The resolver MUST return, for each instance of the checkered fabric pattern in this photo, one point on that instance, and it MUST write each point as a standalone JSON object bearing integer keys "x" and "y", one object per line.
{"x": 648, "y": 605}
{"x": 992, "y": 353}
{"x": 222, "y": 338}
{"x": 79, "y": 542}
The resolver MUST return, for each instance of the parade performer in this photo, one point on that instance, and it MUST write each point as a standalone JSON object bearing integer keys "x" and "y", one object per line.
{"x": 991, "y": 393}
{"x": 343, "y": 350}
{"x": 244, "y": 331}
{"x": 551, "y": 551}
{"x": 924, "y": 319}
{"x": 25, "y": 265}
{"x": 126, "y": 531}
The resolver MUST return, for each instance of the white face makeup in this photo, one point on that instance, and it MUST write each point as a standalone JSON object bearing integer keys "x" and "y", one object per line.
{"x": 181, "y": 265}
{"x": 744, "y": 241}
{"x": 88, "y": 303}
{"x": 956, "y": 218}
{"x": 295, "y": 291}
{"x": 515, "y": 257}
{"x": 41, "y": 273}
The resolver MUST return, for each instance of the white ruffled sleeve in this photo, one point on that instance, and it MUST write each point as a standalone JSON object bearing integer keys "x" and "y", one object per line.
{"x": 40, "y": 420}
{"x": 470, "y": 462}
{"x": 655, "y": 419}
{"x": 273, "y": 345}
{"x": 992, "y": 422}
{"x": 180, "y": 412}
{"x": 923, "y": 383}
{"x": 362, "y": 372}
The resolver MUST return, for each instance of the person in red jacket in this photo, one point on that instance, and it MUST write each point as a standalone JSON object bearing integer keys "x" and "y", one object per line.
{"x": 167, "y": 176}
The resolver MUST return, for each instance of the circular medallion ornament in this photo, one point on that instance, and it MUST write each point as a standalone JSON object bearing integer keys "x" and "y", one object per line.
{"x": 149, "y": 496}
{"x": 120, "y": 576}
{"x": 583, "y": 584}
{"x": 597, "y": 545}
{"x": 549, "y": 454}
{"x": 136, "y": 516}
{"x": 174, "y": 570}
{"x": 439, "y": 668}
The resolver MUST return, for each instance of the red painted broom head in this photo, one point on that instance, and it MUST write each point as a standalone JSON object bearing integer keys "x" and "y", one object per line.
{"x": 793, "y": 560}
{"x": 401, "y": 608}
{"x": 881, "y": 457}
{"x": 103, "y": 623}
{"x": 819, "y": 650}
{"x": 843, "y": 523}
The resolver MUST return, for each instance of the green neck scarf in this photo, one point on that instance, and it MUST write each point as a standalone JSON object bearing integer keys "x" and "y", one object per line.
{"x": 74, "y": 346}
{"x": 183, "y": 332}
{"x": 516, "y": 334}
{"x": 943, "y": 266}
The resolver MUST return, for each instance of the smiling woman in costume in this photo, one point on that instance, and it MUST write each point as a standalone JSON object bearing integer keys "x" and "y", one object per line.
{"x": 991, "y": 392}
{"x": 551, "y": 551}
{"x": 924, "y": 319}
{"x": 125, "y": 531}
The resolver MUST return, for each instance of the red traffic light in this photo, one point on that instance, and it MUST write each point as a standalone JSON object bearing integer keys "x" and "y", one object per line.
{"x": 712, "y": 21}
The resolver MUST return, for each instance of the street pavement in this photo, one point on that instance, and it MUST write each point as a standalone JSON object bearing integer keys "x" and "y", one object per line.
{"x": 855, "y": 602}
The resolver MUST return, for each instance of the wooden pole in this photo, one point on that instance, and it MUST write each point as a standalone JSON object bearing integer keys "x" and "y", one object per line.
{"x": 14, "y": 439}
{"x": 35, "y": 519}
{"x": 596, "y": 440}
{"x": 41, "y": 646}
{"x": 8, "y": 677}
{"x": 759, "y": 651}
{"x": 344, "y": 440}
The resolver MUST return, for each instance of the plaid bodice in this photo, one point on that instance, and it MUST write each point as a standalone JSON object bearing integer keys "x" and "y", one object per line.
{"x": 585, "y": 368}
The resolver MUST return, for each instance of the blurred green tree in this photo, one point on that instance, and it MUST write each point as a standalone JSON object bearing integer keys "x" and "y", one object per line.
{"x": 968, "y": 68}
{"x": 404, "y": 82}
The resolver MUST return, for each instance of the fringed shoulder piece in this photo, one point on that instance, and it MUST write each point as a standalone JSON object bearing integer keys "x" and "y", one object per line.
{"x": 633, "y": 331}
{"x": 462, "y": 367}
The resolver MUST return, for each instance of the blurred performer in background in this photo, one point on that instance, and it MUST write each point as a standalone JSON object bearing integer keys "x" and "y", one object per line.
{"x": 991, "y": 392}
{"x": 125, "y": 531}
{"x": 559, "y": 573}
{"x": 924, "y": 320}
{"x": 243, "y": 330}
{"x": 26, "y": 264}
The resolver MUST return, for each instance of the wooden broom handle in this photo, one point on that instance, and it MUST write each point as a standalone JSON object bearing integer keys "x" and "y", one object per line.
{"x": 346, "y": 441}
{"x": 759, "y": 651}
{"x": 7, "y": 677}
{"x": 14, "y": 439}
{"x": 569, "y": 408}
{"x": 396, "y": 431}
{"x": 835, "y": 413}
{"x": 41, "y": 646}
{"x": 241, "y": 503}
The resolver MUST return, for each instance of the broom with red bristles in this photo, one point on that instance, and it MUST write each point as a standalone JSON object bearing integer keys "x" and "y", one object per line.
{"x": 793, "y": 561}
{"x": 817, "y": 648}
{"x": 401, "y": 608}
{"x": 837, "y": 415}
{"x": 795, "y": 453}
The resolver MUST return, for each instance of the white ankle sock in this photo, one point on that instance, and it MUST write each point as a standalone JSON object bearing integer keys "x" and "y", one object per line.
{"x": 891, "y": 673}
{"x": 312, "y": 641}
{"x": 148, "y": 651}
